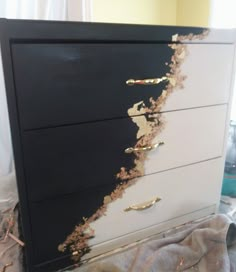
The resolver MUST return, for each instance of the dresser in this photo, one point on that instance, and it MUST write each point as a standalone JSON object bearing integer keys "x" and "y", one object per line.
{"x": 118, "y": 131}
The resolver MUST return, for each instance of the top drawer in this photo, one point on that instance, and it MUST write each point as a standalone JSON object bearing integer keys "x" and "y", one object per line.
{"x": 59, "y": 84}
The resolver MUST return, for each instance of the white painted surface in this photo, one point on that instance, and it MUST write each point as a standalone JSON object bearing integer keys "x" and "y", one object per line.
{"x": 153, "y": 232}
{"x": 183, "y": 190}
{"x": 190, "y": 136}
{"x": 208, "y": 70}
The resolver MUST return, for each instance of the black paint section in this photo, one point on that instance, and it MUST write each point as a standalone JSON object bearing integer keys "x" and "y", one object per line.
{"x": 66, "y": 160}
{"x": 56, "y": 218}
{"x": 28, "y": 31}
{"x": 67, "y": 73}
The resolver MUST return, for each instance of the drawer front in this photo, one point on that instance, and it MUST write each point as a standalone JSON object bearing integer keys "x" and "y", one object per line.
{"x": 69, "y": 159}
{"x": 208, "y": 70}
{"x": 190, "y": 136}
{"x": 52, "y": 220}
{"x": 59, "y": 84}
{"x": 182, "y": 191}
{"x": 66, "y": 160}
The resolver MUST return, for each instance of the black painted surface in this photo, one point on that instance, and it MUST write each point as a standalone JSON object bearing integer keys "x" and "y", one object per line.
{"x": 69, "y": 159}
{"x": 56, "y": 218}
{"x": 67, "y": 73}
{"x": 57, "y": 31}
{"x": 61, "y": 84}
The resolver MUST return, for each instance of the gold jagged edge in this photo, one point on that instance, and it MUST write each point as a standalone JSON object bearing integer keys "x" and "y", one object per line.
{"x": 78, "y": 240}
{"x": 153, "y": 126}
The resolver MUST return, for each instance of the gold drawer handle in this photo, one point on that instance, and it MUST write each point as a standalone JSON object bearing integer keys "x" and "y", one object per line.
{"x": 147, "y": 81}
{"x": 143, "y": 148}
{"x": 143, "y": 206}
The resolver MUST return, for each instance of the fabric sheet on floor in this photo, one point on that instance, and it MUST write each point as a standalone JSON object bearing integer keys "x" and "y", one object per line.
{"x": 208, "y": 246}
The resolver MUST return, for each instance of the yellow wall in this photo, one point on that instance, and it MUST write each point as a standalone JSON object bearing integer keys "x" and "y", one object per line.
{"x": 126, "y": 11}
{"x": 134, "y": 11}
{"x": 155, "y": 12}
{"x": 193, "y": 12}
{"x": 167, "y": 12}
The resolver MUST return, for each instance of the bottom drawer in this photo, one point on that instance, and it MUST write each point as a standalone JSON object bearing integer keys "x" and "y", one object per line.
{"x": 182, "y": 191}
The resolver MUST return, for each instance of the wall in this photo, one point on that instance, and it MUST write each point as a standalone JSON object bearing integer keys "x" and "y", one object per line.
{"x": 193, "y": 12}
{"x": 156, "y": 12}
{"x": 134, "y": 11}
{"x": 167, "y": 12}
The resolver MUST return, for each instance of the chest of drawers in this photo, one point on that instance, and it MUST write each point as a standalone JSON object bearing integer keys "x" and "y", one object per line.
{"x": 118, "y": 131}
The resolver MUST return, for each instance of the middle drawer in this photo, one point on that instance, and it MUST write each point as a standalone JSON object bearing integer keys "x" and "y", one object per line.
{"x": 69, "y": 159}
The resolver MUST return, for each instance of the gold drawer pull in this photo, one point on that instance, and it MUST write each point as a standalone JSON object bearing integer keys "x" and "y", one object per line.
{"x": 143, "y": 148}
{"x": 147, "y": 81}
{"x": 143, "y": 206}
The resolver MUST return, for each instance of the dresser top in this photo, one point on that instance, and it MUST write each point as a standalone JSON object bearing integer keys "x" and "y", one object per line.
{"x": 57, "y": 31}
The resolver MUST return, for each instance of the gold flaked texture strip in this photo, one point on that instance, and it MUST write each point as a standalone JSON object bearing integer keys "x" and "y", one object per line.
{"x": 78, "y": 240}
{"x": 147, "y": 133}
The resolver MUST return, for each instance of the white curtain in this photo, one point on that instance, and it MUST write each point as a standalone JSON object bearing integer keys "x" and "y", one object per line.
{"x": 73, "y": 10}
{"x": 223, "y": 16}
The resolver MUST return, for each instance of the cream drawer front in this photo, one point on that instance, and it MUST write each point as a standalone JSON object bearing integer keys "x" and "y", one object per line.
{"x": 189, "y": 136}
{"x": 182, "y": 191}
{"x": 208, "y": 74}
